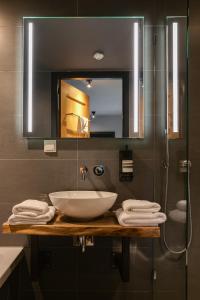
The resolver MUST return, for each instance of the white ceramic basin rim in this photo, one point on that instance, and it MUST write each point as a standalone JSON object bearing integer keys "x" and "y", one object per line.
{"x": 83, "y": 204}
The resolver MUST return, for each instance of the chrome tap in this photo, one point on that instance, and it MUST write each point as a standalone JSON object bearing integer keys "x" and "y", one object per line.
{"x": 83, "y": 172}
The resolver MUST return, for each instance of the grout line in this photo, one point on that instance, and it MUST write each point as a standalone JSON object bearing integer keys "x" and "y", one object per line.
{"x": 70, "y": 159}
{"x": 77, "y": 8}
{"x": 37, "y": 159}
{"x": 74, "y": 159}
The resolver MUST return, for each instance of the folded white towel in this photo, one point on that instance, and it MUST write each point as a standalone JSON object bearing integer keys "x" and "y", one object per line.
{"x": 30, "y": 208}
{"x": 83, "y": 126}
{"x": 16, "y": 219}
{"x": 178, "y": 216}
{"x": 140, "y": 219}
{"x": 133, "y": 205}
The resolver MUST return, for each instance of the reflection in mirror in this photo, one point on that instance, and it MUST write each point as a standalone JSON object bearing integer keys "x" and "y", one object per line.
{"x": 83, "y": 77}
{"x": 91, "y": 107}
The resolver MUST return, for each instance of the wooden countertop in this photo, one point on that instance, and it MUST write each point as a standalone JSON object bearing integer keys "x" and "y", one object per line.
{"x": 63, "y": 226}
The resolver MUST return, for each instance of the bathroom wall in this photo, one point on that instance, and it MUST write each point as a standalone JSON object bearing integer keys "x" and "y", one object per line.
{"x": 194, "y": 146}
{"x": 26, "y": 172}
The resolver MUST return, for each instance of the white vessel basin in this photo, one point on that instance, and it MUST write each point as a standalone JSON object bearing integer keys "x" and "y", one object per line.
{"x": 83, "y": 204}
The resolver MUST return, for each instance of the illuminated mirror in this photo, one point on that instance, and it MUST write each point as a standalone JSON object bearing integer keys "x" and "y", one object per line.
{"x": 176, "y": 54}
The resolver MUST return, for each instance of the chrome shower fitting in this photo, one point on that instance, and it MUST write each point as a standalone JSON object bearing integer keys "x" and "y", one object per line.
{"x": 184, "y": 165}
{"x": 98, "y": 170}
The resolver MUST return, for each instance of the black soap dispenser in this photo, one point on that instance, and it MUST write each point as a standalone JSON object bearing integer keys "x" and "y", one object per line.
{"x": 126, "y": 165}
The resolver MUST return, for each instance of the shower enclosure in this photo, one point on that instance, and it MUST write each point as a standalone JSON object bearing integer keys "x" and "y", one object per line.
{"x": 172, "y": 145}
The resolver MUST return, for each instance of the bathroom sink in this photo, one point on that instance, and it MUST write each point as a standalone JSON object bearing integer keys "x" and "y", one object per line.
{"x": 83, "y": 204}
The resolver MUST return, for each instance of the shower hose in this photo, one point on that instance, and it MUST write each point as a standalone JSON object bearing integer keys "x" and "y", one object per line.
{"x": 189, "y": 218}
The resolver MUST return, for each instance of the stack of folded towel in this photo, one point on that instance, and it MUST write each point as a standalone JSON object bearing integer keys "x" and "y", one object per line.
{"x": 140, "y": 213}
{"x": 31, "y": 212}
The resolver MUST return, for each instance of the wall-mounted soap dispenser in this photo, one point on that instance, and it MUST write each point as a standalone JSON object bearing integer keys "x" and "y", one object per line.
{"x": 126, "y": 165}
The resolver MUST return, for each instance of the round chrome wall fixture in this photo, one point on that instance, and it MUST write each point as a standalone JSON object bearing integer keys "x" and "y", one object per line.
{"x": 98, "y": 170}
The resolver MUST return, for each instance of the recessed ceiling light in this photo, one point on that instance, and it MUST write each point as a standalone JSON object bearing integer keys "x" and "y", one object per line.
{"x": 98, "y": 55}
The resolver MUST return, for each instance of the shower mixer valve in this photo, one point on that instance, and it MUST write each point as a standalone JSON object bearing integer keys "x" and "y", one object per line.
{"x": 184, "y": 165}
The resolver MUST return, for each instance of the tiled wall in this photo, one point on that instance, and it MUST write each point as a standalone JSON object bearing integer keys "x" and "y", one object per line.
{"x": 194, "y": 147}
{"x": 26, "y": 172}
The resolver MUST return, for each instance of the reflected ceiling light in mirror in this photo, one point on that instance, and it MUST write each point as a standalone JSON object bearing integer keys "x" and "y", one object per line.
{"x": 175, "y": 80}
{"x": 98, "y": 55}
{"x": 30, "y": 77}
{"x": 136, "y": 78}
{"x": 93, "y": 114}
{"x": 89, "y": 83}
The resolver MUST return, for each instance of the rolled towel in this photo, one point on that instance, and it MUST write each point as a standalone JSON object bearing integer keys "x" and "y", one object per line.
{"x": 40, "y": 219}
{"x": 132, "y": 205}
{"x": 140, "y": 219}
{"x": 30, "y": 208}
{"x": 182, "y": 205}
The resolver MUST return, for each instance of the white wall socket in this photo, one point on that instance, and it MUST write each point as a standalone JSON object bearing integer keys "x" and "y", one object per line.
{"x": 50, "y": 146}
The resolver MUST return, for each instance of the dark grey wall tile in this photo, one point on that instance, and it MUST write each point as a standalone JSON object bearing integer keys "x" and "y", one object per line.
{"x": 52, "y": 295}
{"x": 193, "y": 273}
{"x": 194, "y": 48}
{"x": 194, "y": 92}
{"x": 194, "y": 137}
{"x": 173, "y": 295}
{"x": 37, "y": 177}
{"x": 12, "y": 12}
{"x": 109, "y": 148}
{"x": 173, "y": 8}
{"x": 11, "y": 52}
{"x": 141, "y": 269}
{"x": 7, "y": 94}
{"x": 115, "y": 295}
{"x": 113, "y": 8}
{"x": 194, "y": 184}
{"x": 170, "y": 270}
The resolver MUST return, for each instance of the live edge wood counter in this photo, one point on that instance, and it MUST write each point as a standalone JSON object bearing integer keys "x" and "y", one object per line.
{"x": 63, "y": 226}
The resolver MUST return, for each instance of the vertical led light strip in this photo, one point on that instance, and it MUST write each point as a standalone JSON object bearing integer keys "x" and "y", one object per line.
{"x": 30, "y": 77}
{"x": 175, "y": 77}
{"x": 136, "y": 79}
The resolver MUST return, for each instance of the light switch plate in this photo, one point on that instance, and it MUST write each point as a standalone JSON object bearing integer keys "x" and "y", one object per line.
{"x": 50, "y": 146}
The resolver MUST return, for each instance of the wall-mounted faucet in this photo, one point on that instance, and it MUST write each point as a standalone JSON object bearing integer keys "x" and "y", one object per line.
{"x": 83, "y": 172}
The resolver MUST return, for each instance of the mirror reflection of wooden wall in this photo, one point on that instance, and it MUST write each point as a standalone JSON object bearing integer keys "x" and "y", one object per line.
{"x": 174, "y": 135}
{"x": 74, "y": 113}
